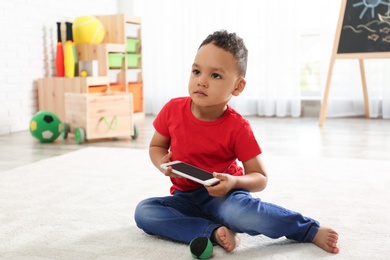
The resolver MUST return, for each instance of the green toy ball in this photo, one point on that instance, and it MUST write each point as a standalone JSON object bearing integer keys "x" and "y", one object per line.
{"x": 45, "y": 126}
{"x": 201, "y": 248}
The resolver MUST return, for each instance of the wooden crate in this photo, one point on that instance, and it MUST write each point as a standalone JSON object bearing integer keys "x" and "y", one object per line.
{"x": 100, "y": 115}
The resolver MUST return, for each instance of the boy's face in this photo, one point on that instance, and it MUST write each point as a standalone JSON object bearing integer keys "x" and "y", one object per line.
{"x": 214, "y": 77}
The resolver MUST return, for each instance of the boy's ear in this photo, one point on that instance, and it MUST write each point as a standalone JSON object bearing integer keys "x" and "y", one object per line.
{"x": 240, "y": 85}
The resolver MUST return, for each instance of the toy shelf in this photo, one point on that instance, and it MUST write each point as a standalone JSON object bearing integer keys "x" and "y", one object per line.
{"x": 120, "y": 31}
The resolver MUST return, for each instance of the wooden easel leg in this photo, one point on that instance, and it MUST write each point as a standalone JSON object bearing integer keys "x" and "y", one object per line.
{"x": 364, "y": 85}
{"x": 326, "y": 94}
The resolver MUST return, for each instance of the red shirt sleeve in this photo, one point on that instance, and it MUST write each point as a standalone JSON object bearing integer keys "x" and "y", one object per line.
{"x": 161, "y": 123}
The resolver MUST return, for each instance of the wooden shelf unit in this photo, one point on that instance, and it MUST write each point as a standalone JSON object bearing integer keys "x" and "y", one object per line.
{"x": 51, "y": 90}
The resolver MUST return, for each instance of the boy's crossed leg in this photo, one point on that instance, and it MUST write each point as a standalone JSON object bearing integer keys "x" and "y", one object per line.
{"x": 326, "y": 238}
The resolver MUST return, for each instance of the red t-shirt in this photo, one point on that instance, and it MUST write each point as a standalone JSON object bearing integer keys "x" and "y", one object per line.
{"x": 211, "y": 145}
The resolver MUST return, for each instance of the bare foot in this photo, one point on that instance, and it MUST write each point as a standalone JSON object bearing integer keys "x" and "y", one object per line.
{"x": 226, "y": 238}
{"x": 326, "y": 238}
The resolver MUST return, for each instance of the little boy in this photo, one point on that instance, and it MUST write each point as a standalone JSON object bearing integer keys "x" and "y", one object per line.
{"x": 205, "y": 131}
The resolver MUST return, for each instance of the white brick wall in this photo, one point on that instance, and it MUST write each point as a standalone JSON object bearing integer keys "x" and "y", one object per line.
{"x": 28, "y": 36}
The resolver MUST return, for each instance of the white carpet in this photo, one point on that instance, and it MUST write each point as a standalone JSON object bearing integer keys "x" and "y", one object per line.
{"x": 81, "y": 205}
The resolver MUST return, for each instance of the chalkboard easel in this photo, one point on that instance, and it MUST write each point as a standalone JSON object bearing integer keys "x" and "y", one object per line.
{"x": 363, "y": 32}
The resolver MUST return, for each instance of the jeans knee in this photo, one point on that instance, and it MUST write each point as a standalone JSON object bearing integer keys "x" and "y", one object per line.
{"x": 229, "y": 213}
{"x": 140, "y": 214}
{"x": 241, "y": 216}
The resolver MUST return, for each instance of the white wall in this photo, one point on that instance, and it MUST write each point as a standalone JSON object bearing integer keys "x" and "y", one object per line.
{"x": 28, "y": 36}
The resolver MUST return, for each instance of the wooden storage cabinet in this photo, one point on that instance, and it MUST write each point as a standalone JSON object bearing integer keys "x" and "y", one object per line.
{"x": 119, "y": 39}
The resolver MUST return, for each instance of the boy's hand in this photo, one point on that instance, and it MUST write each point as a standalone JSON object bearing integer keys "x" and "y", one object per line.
{"x": 168, "y": 172}
{"x": 226, "y": 184}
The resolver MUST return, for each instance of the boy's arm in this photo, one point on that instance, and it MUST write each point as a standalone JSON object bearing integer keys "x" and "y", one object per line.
{"x": 159, "y": 153}
{"x": 255, "y": 179}
{"x": 159, "y": 150}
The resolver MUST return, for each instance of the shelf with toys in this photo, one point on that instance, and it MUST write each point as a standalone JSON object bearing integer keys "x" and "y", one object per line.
{"x": 102, "y": 67}
{"x": 122, "y": 39}
{"x": 119, "y": 56}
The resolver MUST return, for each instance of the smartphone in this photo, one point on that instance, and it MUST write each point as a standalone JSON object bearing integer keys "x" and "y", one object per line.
{"x": 191, "y": 172}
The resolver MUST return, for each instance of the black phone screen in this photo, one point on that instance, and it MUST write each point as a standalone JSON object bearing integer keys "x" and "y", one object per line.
{"x": 192, "y": 170}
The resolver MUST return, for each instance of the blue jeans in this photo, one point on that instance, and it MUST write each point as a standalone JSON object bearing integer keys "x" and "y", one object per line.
{"x": 187, "y": 215}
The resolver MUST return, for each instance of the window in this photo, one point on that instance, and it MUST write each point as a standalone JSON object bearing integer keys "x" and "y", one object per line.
{"x": 310, "y": 64}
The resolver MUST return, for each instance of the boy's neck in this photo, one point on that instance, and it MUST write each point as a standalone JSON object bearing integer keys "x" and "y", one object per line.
{"x": 208, "y": 113}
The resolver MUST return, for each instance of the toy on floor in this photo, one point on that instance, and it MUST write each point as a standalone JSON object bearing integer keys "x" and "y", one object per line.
{"x": 94, "y": 116}
{"x": 201, "y": 248}
{"x": 45, "y": 126}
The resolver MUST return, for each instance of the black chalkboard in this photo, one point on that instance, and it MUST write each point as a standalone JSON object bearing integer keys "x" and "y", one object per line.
{"x": 365, "y": 27}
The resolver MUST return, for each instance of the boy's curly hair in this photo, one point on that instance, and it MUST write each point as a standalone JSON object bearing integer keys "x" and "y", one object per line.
{"x": 232, "y": 43}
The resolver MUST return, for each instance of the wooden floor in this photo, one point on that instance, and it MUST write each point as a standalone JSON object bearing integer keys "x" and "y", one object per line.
{"x": 343, "y": 137}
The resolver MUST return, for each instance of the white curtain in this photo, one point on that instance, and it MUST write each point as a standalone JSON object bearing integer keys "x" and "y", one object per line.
{"x": 173, "y": 29}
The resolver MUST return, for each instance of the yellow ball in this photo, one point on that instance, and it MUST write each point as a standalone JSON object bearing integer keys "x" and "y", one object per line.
{"x": 84, "y": 73}
{"x": 88, "y": 30}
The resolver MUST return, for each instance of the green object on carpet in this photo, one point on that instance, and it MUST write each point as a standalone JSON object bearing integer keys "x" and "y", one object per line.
{"x": 201, "y": 248}
{"x": 45, "y": 126}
